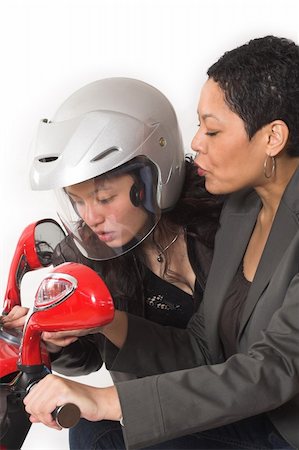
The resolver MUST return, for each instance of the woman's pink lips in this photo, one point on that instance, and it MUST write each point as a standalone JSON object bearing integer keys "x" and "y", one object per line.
{"x": 201, "y": 172}
{"x": 106, "y": 236}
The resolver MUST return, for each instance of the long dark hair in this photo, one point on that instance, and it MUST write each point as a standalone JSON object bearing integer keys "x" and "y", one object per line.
{"x": 197, "y": 212}
{"x": 196, "y": 207}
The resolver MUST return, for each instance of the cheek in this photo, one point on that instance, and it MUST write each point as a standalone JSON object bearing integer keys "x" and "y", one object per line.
{"x": 135, "y": 219}
{"x": 229, "y": 154}
{"x": 124, "y": 212}
{"x": 229, "y": 171}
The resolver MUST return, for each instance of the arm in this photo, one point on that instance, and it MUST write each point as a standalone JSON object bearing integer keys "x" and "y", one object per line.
{"x": 81, "y": 357}
{"x": 52, "y": 391}
{"x": 245, "y": 385}
{"x": 117, "y": 330}
{"x": 158, "y": 348}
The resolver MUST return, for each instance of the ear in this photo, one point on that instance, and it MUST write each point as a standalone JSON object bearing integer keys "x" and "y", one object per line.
{"x": 278, "y": 134}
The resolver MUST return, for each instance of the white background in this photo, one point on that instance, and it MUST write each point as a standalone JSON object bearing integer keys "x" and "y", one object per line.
{"x": 49, "y": 49}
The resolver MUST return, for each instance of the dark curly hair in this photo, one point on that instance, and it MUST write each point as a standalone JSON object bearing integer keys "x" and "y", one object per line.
{"x": 260, "y": 81}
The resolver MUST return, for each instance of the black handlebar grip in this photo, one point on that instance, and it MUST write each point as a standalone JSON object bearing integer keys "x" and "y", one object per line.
{"x": 67, "y": 416}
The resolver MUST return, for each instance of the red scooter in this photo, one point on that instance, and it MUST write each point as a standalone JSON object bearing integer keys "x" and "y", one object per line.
{"x": 71, "y": 296}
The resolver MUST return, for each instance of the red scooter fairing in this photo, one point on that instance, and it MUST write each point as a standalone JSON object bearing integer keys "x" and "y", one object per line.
{"x": 71, "y": 296}
{"x": 33, "y": 251}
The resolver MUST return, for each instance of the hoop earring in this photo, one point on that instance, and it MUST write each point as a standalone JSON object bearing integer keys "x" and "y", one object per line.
{"x": 273, "y": 168}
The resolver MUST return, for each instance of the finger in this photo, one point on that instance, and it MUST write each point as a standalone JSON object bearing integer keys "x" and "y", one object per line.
{"x": 17, "y": 323}
{"x": 58, "y": 334}
{"x": 48, "y": 422}
{"x": 39, "y": 404}
{"x": 73, "y": 333}
{"x": 17, "y": 312}
{"x": 60, "y": 341}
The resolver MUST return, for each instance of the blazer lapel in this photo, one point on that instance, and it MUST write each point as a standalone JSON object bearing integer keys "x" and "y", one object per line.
{"x": 230, "y": 245}
{"x": 284, "y": 228}
{"x": 239, "y": 217}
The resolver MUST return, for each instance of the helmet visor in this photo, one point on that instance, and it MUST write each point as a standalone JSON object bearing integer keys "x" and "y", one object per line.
{"x": 111, "y": 214}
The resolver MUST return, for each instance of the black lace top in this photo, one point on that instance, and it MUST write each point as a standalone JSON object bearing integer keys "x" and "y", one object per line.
{"x": 167, "y": 304}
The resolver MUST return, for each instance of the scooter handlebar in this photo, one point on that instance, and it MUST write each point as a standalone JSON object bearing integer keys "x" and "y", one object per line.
{"x": 67, "y": 416}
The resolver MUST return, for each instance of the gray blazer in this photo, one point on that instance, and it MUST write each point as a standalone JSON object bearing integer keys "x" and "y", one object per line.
{"x": 210, "y": 392}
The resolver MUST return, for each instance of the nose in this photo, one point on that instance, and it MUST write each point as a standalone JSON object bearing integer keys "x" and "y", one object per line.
{"x": 93, "y": 216}
{"x": 196, "y": 143}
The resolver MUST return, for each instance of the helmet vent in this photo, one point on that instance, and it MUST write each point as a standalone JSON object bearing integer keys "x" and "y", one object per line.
{"x": 105, "y": 153}
{"x": 47, "y": 159}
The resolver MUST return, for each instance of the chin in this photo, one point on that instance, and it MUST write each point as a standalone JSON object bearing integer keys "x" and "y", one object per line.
{"x": 117, "y": 243}
{"x": 114, "y": 244}
{"x": 212, "y": 189}
{"x": 216, "y": 188}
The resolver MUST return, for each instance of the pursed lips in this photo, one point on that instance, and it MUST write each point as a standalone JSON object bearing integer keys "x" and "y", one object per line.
{"x": 105, "y": 236}
{"x": 200, "y": 170}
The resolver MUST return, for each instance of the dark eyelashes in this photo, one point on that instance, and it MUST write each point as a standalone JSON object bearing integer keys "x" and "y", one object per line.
{"x": 212, "y": 133}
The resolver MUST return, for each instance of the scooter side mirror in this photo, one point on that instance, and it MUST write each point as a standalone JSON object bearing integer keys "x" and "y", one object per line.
{"x": 33, "y": 251}
{"x": 71, "y": 297}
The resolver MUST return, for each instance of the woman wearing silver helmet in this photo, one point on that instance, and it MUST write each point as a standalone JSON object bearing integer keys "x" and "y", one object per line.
{"x": 136, "y": 211}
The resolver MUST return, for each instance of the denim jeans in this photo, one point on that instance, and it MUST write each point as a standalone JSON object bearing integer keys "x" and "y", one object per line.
{"x": 253, "y": 433}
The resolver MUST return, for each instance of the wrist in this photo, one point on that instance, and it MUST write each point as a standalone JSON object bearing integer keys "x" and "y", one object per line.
{"x": 115, "y": 404}
{"x": 112, "y": 404}
{"x": 116, "y": 331}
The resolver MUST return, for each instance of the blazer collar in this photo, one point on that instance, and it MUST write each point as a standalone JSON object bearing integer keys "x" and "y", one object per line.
{"x": 285, "y": 226}
{"x": 239, "y": 218}
{"x": 230, "y": 244}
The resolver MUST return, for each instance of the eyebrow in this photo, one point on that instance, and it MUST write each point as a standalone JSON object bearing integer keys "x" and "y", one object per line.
{"x": 209, "y": 116}
{"x": 95, "y": 191}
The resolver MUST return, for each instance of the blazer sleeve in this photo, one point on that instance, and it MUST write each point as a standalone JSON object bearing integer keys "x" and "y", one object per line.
{"x": 169, "y": 405}
{"x": 82, "y": 357}
{"x": 151, "y": 348}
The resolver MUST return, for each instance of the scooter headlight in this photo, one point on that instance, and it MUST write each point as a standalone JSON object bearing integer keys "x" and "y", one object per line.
{"x": 54, "y": 289}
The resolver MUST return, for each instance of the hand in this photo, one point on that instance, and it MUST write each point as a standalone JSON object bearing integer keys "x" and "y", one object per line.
{"x": 56, "y": 340}
{"x": 15, "y": 318}
{"x": 52, "y": 391}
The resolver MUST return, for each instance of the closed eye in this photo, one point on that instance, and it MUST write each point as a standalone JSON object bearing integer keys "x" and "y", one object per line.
{"x": 77, "y": 202}
{"x": 212, "y": 133}
{"x": 105, "y": 201}
{"x": 209, "y": 133}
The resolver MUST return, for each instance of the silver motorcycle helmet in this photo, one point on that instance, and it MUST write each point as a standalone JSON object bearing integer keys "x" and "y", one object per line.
{"x": 114, "y": 155}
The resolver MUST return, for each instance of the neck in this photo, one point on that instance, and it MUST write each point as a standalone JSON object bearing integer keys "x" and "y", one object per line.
{"x": 271, "y": 191}
{"x": 160, "y": 242}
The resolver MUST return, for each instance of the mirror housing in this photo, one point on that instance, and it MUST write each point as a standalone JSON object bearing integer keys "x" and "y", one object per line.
{"x": 33, "y": 251}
